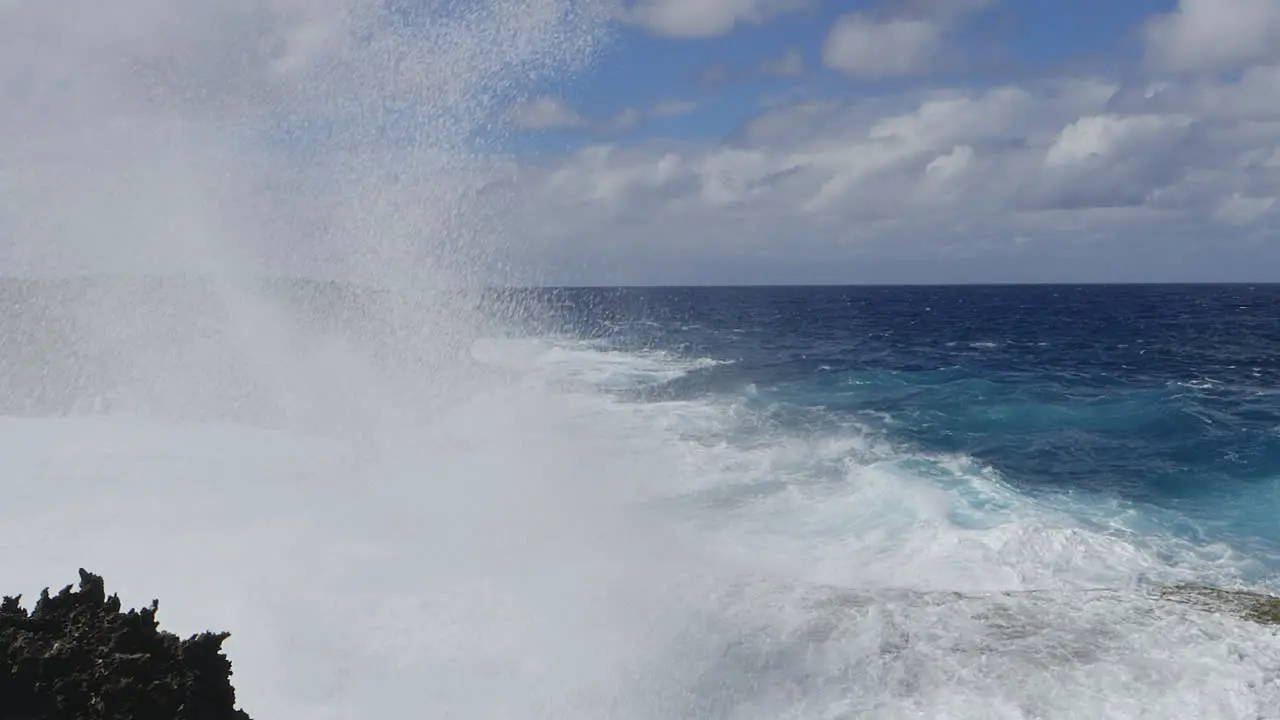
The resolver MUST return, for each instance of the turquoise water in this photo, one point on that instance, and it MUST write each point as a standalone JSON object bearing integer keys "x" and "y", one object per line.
{"x": 1159, "y": 405}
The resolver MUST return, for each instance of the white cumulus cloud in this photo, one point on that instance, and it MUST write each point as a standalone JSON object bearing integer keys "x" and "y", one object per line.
{"x": 1214, "y": 35}
{"x": 862, "y": 46}
{"x": 704, "y": 18}
{"x": 912, "y": 40}
{"x": 1042, "y": 180}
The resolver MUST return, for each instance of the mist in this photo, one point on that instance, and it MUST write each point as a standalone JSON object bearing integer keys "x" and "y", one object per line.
{"x": 247, "y": 247}
{"x": 251, "y": 365}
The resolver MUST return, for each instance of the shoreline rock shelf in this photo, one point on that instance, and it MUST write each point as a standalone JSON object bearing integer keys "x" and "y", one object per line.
{"x": 78, "y": 655}
{"x": 1260, "y": 608}
{"x": 1255, "y": 607}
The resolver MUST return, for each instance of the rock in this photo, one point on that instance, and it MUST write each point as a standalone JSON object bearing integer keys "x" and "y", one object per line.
{"x": 1253, "y": 606}
{"x": 77, "y": 655}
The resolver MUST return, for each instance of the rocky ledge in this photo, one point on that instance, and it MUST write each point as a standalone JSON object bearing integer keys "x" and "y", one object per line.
{"x": 1253, "y": 606}
{"x": 1249, "y": 605}
{"x": 77, "y": 655}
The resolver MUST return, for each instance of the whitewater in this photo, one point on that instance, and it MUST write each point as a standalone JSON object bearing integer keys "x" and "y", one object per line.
{"x": 547, "y": 549}
{"x": 404, "y": 499}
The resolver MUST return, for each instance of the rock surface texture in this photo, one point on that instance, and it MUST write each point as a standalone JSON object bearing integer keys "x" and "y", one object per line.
{"x": 77, "y": 655}
{"x": 1264, "y": 609}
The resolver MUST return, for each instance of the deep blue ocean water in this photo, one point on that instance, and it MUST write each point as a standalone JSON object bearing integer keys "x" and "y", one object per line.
{"x": 1165, "y": 398}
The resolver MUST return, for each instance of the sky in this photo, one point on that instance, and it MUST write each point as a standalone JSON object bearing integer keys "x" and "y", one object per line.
{"x": 648, "y": 141}
{"x": 741, "y": 141}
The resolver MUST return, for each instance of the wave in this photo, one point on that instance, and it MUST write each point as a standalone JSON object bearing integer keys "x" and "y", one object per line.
{"x": 863, "y": 576}
{"x": 553, "y": 547}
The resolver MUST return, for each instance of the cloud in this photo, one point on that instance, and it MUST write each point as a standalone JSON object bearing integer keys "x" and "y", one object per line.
{"x": 910, "y": 41}
{"x": 864, "y": 47}
{"x": 789, "y": 64}
{"x": 945, "y": 167}
{"x": 1110, "y": 161}
{"x": 624, "y": 121}
{"x": 704, "y": 18}
{"x": 714, "y": 75}
{"x": 1214, "y": 35}
{"x": 673, "y": 108}
{"x": 940, "y": 9}
{"x": 1104, "y": 138}
{"x": 545, "y": 113}
{"x": 1256, "y": 94}
{"x": 1043, "y": 180}
{"x": 1241, "y": 210}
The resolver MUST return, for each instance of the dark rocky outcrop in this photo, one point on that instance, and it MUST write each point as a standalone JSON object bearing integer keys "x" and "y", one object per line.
{"x": 77, "y": 655}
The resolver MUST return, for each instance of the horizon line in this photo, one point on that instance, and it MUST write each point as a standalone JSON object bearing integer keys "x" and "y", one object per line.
{"x": 671, "y": 286}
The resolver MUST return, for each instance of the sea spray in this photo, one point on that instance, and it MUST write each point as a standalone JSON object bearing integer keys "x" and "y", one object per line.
{"x": 323, "y": 468}
{"x": 214, "y": 146}
{"x": 394, "y": 526}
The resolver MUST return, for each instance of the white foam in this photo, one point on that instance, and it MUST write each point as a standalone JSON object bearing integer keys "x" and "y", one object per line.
{"x": 524, "y": 558}
{"x": 1079, "y": 636}
{"x": 586, "y": 362}
{"x": 474, "y": 579}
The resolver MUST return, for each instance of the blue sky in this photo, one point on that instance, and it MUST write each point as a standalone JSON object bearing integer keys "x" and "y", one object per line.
{"x": 726, "y": 75}
{"x": 911, "y": 140}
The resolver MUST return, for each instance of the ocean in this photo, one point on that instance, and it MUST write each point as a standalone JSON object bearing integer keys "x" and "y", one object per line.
{"x": 910, "y": 502}
{"x": 1158, "y": 403}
